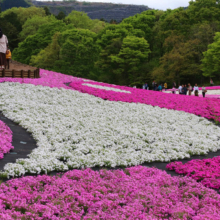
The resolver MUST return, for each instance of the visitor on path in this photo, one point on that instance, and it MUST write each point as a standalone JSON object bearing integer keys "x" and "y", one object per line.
{"x": 165, "y": 86}
{"x": 203, "y": 91}
{"x": 211, "y": 82}
{"x": 174, "y": 84}
{"x": 184, "y": 90}
{"x": 3, "y": 49}
{"x": 146, "y": 86}
{"x": 180, "y": 89}
{"x": 174, "y": 90}
{"x": 196, "y": 90}
{"x": 153, "y": 85}
{"x": 8, "y": 57}
{"x": 160, "y": 88}
{"x": 190, "y": 89}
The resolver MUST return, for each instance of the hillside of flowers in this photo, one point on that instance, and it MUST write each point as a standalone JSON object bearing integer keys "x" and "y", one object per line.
{"x": 207, "y": 108}
{"x": 135, "y": 193}
{"x": 205, "y": 171}
{"x": 77, "y": 130}
{"x": 5, "y": 139}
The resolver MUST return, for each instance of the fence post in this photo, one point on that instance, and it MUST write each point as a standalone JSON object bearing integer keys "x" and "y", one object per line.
{"x": 22, "y": 74}
{"x": 13, "y": 73}
{"x": 3, "y": 73}
{"x": 29, "y": 74}
{"x": 34, "y": 73}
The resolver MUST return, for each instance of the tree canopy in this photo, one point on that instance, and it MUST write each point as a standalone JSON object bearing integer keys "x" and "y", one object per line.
{"x": 179, "y": 45}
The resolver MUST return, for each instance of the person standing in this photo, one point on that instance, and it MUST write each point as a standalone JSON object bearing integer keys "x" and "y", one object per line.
{"x": 184, "y": 90}
{"x": 3, "y": 49}
{"x": 165, "y": 86}
{"x": 153, "y": 85}
{"x": 180, "y": 89}
{"x": 190, "y": 89}
{"x": 174, "y": 90}
{"x": 211, "y": 82}
{"x": 196, "y": 90}
{"x": 8, "y": 57}
{"x": 203, "y": 91}
{"x": 160, "y": 88}
{"x": 146, "y": 86}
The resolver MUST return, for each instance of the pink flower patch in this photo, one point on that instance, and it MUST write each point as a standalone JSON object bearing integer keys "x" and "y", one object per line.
{"x": 205, "y": 171}
{"x": 5, "y": 139}
{"x": 135, "y": 193}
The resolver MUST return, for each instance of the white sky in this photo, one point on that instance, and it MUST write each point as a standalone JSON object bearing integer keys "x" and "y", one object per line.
{"x": 155, "y": 4}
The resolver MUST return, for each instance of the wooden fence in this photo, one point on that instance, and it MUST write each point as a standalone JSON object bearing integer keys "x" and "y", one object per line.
{"x": 20, "y": 73}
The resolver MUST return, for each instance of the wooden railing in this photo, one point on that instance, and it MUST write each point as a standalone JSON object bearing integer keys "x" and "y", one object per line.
{"x": 20, "y": 73}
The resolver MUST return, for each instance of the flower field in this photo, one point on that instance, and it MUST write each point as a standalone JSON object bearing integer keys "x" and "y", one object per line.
{"x": 91, "y": 124}
{"x": 206, "y": 171}
{"x": 207, "y": 108}
{"x": 76, "y": 130}
{"x": 135, "y": 193}
{"x": 5, "y": 139}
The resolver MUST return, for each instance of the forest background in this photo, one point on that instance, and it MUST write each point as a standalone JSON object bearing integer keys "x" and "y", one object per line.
{"x": 181, "y": 45}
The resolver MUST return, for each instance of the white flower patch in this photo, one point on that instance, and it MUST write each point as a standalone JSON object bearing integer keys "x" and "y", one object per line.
{"x": 105, "y": 88}
{"x": 74, "y": 130}
{"x": 213, "y": 92}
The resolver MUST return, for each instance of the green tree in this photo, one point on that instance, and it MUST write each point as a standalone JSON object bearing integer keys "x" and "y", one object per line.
{"x": 33, "y": 44}
{"x": 32, "y": 25}
{"x": 134, "y": 52}
{"x": 47, "y": 57}
{"x": 211, "y": 61}
{"x": 24, "y": 13}
{"x": 47, "y": 11}
{"x": 61, "y": 15}
{"x": 11, "y": 28}
{"x": 79, "y": 51}
{"x": 79, "y": 20}
{"x": 180, "y": 64}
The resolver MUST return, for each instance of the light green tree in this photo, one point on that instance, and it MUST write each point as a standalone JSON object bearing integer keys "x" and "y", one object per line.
{"x": 32, "y": 24}
{"x": 211, "y": 61}
{"x": 25, "y": 13}
{"x": 48, "y": 56}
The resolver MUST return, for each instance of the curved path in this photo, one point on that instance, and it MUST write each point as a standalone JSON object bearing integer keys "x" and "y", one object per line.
{"x": 24, "y": 143}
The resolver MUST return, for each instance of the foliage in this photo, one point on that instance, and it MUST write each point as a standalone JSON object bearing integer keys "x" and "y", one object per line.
{"x": 32, "y": 24}
{"x": 180, "y": 43}
{"x": 33, "y": 44}
{"x": 211, "y": 61}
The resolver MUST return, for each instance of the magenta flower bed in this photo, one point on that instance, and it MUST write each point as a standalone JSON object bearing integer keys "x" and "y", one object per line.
{"x": 5, "y": 139}
{"x": 207, "y": 108}
{"x": 137, "y": 193}
{"x": 205, "y": 171}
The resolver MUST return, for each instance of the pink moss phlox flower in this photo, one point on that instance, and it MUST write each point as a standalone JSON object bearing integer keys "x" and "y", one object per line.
{"x": 135, "y": 193}
{"x": 205, "y": 171}
{"x": 5, "y": 139}
{"x": 207, "y": 108}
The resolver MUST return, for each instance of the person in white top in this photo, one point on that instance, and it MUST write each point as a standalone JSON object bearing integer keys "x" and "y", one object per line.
{"x": 3, "y": 49}
{"x": 180, "y": 89}
{"x": 196, "y": 90}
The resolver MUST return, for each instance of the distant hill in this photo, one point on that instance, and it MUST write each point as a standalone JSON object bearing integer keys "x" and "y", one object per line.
{"x": 6, "y": 4}
{"x": 107, "y": 11}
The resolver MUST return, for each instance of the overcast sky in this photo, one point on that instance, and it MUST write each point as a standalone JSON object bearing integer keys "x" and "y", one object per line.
{"x": 156, "y": 4}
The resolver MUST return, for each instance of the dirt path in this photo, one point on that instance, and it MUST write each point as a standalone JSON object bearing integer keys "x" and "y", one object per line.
{"x": 14, "y": 65}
